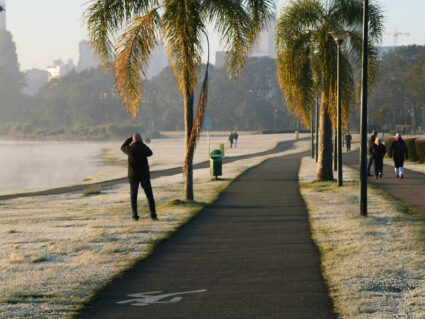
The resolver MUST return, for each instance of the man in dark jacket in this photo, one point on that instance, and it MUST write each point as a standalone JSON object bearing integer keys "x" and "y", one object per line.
{"x": 138, "y": 172}
{"x": 370, "y": 146}
{"x": 398, "y": 151}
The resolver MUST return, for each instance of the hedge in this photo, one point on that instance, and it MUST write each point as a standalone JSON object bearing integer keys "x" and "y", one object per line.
{"x": 415, "y": 148}
{"x": 420, "y": 149}
{"x": 411, "y": 148}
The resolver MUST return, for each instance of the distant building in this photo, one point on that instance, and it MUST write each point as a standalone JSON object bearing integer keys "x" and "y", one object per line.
{"x": 34, "y": 80}
{"x": 87, "y": 58}
{"x": 59, "y": 69}
{"x": 220, "y": 59}
{"x": 3, "y": 15}
{"x": 157, "y": 62}
{"x": 265, "y": 43}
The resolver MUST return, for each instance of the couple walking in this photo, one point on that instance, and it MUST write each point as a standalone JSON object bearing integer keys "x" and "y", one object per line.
{"x": 233, "y": 136}
{"x": 377, "y": 150}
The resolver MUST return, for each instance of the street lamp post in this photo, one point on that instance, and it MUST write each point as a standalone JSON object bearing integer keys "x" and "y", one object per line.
{"x": 339, "y": 37}
{"x": 363, "y": 116}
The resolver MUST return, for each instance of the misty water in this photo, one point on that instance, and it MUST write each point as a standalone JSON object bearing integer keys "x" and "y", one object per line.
{"x": 30, "y": 164}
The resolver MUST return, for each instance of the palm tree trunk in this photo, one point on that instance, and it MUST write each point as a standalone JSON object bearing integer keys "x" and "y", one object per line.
{"x": 324, "y": 163}
{"x": 188, "y": 123}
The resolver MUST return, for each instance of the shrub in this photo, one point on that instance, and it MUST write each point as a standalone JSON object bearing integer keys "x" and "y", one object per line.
{"x": 411, "y": 148}
{"x": 420, "y": 149}
{"x": 388, "y": 143}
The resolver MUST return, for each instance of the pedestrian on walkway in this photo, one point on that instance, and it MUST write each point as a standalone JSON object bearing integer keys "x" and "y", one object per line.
{"x": 138, "y": 172}
{"x": 370, "y": 145}
{"x": 348, "y": 138}
{"x": 378, "y": 152}
{"x": 235, "y": 137}
{"x": 398, "y": 151}
{"x": 231, "y": 139}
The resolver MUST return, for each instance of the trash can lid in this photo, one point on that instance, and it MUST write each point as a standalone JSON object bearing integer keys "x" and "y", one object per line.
{"x": 216, "y": 154}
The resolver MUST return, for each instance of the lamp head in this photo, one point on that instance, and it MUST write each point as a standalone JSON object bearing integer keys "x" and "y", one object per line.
{"x": 1, "y": 9}
{"x": 339, "y": 35}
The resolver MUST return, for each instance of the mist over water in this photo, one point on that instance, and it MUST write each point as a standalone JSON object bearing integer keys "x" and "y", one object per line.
{"x": 29, "y": 164}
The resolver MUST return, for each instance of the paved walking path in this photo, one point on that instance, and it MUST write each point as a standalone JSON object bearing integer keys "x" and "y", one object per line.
{"x": 249, "y": 255}
{"x": 280, "y": 147}
{"x": 410, "y": 189}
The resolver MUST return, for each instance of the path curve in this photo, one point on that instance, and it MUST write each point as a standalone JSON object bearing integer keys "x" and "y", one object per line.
{"x": 280, "y": 147}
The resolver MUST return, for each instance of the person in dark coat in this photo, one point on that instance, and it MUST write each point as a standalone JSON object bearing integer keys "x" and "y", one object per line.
{"x": 231, "y": 139}
{"x": 378, "y": 151}
{"x": 369, "y": 147}
{"x": 138, "y": 172}
{"x": 398, "y": 151}
{"x": 348, "y": 138}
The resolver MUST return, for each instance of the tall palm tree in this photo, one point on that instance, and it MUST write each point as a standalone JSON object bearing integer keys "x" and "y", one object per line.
{"x": 307, "y": 57}
{"x": 182, "y": 26}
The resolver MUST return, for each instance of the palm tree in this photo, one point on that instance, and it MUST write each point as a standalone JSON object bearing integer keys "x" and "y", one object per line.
{"x": 307, "y": 58}
{"x": 182, "y": 26}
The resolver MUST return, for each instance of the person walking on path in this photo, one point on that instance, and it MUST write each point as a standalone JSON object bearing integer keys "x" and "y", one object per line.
{"x": 378, "y": 151}
{"x": 348, "y": 141}
{"x": 138, "y": 172}
{"x": 231, "y": 139}
{"x": 398, "y": 151}
{"x": 235, "y": 137}
{"x": 370, "y": 145}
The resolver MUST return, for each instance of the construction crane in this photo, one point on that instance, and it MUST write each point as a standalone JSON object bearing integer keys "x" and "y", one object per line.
{"x": 396, "y": 34}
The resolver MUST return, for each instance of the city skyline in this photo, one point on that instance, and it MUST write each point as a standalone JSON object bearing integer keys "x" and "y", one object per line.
{"x": 51, "y": 29}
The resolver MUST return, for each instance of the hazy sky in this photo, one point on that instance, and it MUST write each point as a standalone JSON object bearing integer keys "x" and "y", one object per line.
{"x": 46, "y": 30}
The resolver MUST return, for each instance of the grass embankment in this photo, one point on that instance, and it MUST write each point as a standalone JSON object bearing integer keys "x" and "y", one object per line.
{"x": 57, "y": 252}
{"x": 374, "y": 265}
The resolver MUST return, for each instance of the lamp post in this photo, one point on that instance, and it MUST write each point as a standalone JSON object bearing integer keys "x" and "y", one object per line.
{"x": 363, "y": 116}
{"x": 339, "y": 37}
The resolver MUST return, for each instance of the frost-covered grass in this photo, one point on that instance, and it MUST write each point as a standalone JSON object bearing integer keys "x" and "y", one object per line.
{"x": 58, "y": 251}
{"x": 374, "y": 265}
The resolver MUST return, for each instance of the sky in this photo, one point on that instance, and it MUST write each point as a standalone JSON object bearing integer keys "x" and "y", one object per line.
{"x": 46, "y": 30}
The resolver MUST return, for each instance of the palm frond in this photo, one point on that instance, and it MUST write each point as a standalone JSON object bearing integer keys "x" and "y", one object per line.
{"x": 134, "y": 48}
{"x": 181, "y": 28}
{"x": 105, "y": 17}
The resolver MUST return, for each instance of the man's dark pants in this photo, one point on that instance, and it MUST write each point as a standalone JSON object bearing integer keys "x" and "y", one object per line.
{"x": 134, "y": 190}
{"x": 369, "y": 164}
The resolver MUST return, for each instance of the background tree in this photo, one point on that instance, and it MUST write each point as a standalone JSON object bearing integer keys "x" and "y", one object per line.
{"x": 181, "y": 25}
{"x": 306, "y": 54}
{"x": 11, "y": 79}
{"x": 400, "y": 87}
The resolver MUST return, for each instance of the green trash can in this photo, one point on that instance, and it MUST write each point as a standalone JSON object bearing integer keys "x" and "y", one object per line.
{"x": 216, "y": 161}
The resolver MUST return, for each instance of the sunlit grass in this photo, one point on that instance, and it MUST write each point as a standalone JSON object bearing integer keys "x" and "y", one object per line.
{"x": 374, "y": 265}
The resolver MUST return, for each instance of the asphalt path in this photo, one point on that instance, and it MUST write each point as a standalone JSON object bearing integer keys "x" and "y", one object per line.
{"x": 248, "y": 255}
{"x": 410, "y": 189}
{"x": 280, "y": 147}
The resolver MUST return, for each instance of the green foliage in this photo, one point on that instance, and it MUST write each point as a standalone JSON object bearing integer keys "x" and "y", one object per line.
{"x": 420, "y": 149}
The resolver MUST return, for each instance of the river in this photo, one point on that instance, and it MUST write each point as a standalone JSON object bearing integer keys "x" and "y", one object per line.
{"x": 35, "y": 164}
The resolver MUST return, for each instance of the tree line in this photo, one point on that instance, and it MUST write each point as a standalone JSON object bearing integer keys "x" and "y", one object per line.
{"x": 86, "y": 103}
